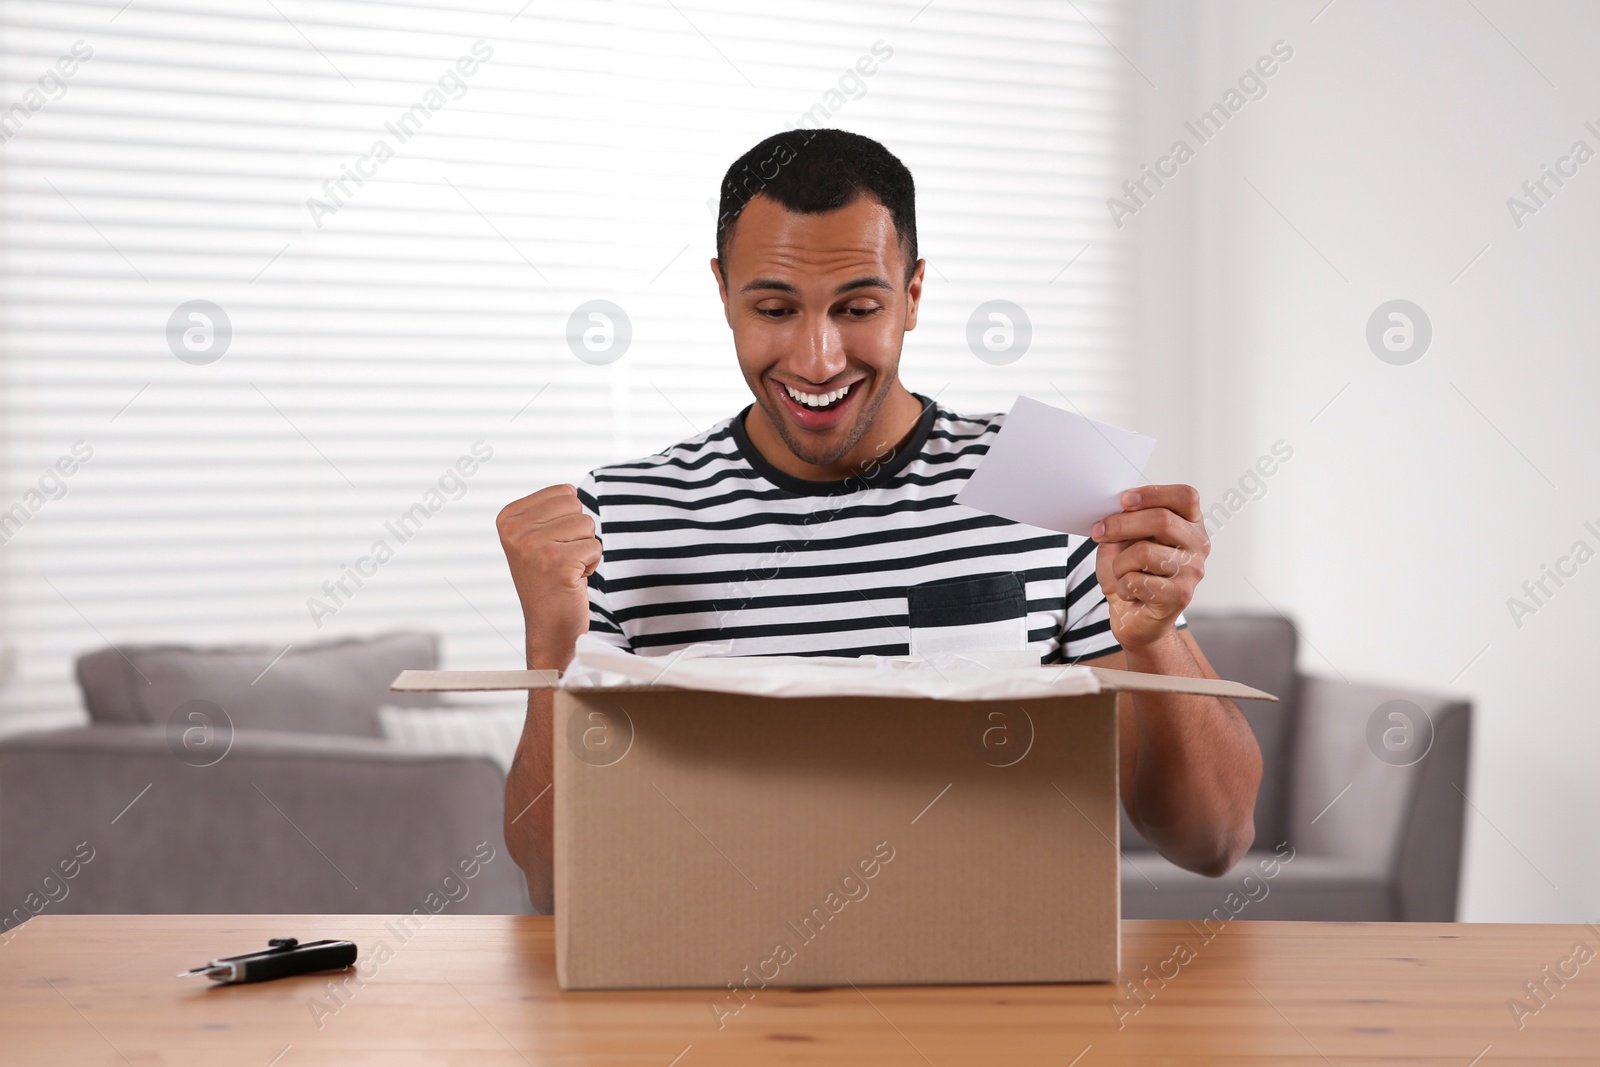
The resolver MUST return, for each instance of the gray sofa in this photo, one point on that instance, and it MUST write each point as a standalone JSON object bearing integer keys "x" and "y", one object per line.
{"x": 290, "y": 801}
{"x": 1371, "y": 839}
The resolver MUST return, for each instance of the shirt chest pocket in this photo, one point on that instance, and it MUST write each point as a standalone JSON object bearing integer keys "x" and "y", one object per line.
{"x": 988, "y": 613}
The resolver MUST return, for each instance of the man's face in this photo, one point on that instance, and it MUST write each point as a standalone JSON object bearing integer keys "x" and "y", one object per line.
{"x": 819, "y": 306}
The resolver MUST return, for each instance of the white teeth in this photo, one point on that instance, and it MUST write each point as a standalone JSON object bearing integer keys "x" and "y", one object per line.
{"x": 816, "y": 400}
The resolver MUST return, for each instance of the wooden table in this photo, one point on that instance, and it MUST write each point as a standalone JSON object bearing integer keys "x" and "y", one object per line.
{"x": 93, "y": 989}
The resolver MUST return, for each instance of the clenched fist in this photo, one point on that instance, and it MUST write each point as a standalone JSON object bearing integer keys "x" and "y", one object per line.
{"x": 552, "y": 549}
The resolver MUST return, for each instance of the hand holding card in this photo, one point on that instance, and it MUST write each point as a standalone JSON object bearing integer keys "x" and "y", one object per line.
{"x": 1061, "y": 471}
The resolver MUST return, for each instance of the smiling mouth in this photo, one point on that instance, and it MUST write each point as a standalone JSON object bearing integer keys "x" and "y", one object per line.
{"x": 819, "y": 401}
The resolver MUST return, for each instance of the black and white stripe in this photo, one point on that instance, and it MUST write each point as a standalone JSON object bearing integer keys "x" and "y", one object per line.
{"x": 707, "y": 542}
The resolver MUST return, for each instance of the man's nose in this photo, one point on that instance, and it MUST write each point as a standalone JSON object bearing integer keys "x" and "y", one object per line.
{"x": 820, "y": 354}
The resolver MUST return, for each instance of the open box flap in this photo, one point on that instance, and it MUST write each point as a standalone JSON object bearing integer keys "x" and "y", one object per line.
{"x": 472, "y": 681}
{"x": 1140, "y": 682}
{"x": 983, "y": 676}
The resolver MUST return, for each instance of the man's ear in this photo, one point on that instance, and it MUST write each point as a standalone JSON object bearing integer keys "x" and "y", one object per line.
{"x": 722, "y": 288}
{"x": 914, "y": 294}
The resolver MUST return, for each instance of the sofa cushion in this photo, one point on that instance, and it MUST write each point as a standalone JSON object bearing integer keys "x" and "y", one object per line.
{"x": 458, "y": 729}
{"x": 329, "y": 687}
{"x": 1348, "y": 801}
{"x": 1325, "y": 888}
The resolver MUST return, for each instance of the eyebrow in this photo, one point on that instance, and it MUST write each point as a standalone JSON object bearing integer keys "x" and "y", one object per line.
{"x": 871, "y": 281}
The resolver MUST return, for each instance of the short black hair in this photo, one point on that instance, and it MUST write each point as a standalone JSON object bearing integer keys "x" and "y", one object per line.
{"x": 813, "y": 171}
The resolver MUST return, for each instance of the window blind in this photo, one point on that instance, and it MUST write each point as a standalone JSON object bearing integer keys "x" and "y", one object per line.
{"x": 284, "y": 282}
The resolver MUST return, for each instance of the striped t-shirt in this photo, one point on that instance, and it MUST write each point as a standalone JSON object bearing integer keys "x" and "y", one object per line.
{"x": 706, "y": 541}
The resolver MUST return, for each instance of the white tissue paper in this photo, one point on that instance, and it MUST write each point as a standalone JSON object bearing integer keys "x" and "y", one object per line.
{"x": 946, "y": 676}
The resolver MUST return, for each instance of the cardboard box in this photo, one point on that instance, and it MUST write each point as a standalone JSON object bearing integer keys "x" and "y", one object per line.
{"x": 796, "y": 822}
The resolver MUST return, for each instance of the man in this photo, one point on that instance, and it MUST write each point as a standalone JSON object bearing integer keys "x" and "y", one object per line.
{"x": 820, "y": 519}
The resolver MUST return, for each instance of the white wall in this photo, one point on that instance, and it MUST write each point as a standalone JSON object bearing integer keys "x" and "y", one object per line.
{"x": 1421, "y": 499}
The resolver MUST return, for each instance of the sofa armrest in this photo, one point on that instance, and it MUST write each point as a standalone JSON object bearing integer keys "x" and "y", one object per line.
{"x": 283, "y": 822}
{"x": 1428, "y": 868}
{"x": 1403, "y": 814}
